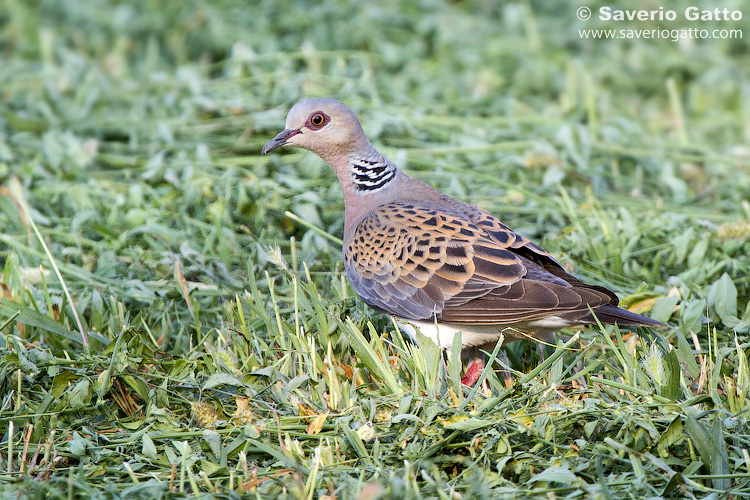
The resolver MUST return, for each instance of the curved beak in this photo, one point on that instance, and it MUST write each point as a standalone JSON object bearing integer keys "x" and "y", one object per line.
{"x": 279, "y": 140}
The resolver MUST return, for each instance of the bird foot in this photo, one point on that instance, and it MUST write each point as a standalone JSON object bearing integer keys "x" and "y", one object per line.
{"x": 473, "y": 372}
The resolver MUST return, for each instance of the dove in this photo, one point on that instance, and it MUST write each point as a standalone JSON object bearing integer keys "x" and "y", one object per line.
{"x": 437, "y": 264}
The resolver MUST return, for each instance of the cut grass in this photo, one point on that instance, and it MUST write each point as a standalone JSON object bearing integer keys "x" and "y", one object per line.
{"x": 228, "y": 355}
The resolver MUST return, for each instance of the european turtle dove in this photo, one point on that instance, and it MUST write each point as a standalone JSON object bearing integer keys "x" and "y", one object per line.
{"x": 437, "y": 263}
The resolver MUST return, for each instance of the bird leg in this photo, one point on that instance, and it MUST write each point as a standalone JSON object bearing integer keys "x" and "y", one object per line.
{"x": 474, "y": 357}
{"x": 473, "y": 371}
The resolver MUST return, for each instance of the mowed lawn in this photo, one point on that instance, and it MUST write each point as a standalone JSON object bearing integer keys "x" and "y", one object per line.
{"x": 174, "y": 316}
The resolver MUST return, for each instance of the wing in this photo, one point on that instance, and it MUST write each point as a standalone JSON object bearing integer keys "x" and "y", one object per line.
{"x": 546, "y": 289}
{"x": 416, "y": 261}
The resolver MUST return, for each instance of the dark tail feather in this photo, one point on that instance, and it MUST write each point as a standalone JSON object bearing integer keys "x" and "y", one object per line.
{"x": 610, "y": 314}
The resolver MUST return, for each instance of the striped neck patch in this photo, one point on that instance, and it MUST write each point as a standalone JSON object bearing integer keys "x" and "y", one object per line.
{"x": 372, "y": 175}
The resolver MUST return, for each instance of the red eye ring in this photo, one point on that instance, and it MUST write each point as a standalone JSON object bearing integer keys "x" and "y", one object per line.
{"x": 317, "y": 119}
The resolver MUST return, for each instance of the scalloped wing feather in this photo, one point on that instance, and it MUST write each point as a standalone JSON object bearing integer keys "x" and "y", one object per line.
{"x": 415, "y": 261}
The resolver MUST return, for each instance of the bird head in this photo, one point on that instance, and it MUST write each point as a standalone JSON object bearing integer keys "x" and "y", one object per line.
{"x": 326, "y": 127}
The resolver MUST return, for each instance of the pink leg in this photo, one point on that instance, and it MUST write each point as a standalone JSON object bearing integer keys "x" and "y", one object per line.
{"x": 473, "y": 371}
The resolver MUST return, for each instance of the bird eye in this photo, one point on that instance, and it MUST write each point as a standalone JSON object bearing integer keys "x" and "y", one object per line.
{"x": 317, "y": 119}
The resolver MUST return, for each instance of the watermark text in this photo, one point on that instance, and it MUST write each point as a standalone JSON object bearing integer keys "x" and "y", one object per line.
{"x": 661, "y": 15}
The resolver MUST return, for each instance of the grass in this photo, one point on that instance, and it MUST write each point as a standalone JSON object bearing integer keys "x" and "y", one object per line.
{"x": 175, "y": 319}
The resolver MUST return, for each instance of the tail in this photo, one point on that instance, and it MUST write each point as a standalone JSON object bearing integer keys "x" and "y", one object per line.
{"x": 610, "y": 314}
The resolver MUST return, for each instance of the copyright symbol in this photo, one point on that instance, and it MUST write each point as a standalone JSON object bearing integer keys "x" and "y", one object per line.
{"x": 583, "y": 13}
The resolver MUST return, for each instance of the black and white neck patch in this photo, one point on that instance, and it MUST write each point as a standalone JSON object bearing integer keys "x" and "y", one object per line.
{"x": 372, "y": 175}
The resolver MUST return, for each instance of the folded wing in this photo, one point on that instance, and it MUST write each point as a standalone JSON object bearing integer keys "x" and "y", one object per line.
{"x": 415, "y": 261}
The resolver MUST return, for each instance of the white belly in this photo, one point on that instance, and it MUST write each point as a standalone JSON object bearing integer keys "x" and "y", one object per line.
{"x": 478, "y": 335}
